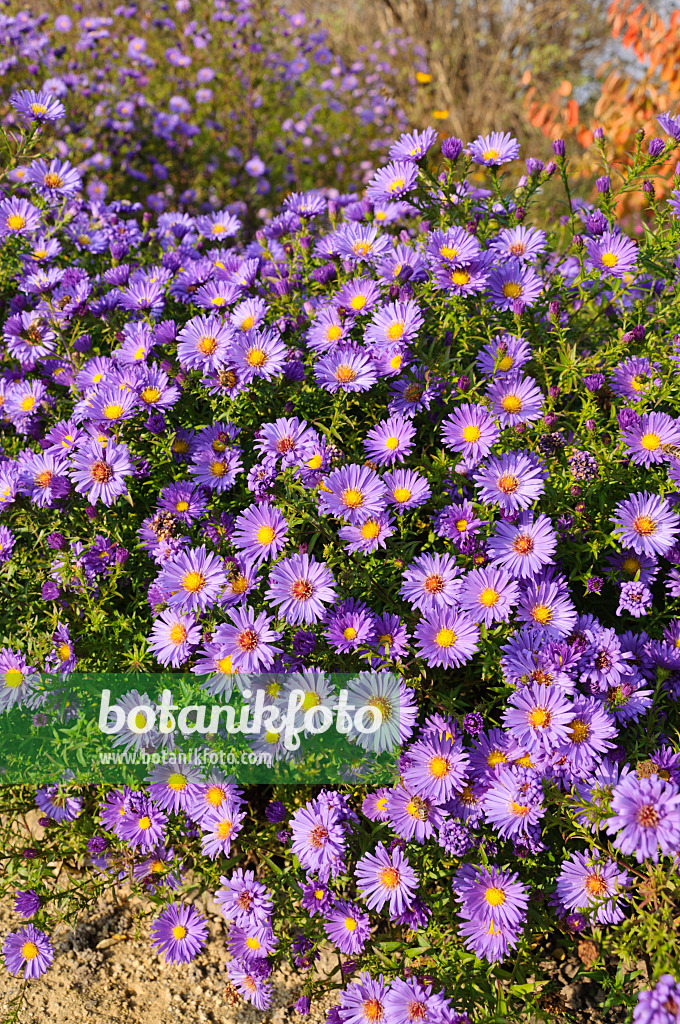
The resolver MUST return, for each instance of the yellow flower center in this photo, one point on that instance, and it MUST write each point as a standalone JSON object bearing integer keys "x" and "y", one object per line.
{"x": 178, "y": 633}
{"x": 334, "y": 332}
{"x": 150, "y": 395}
{"x": 13, "y": 678}
{"x": 352, "y": 498}
{"x": 224, "y": 829}
{"x": 644, "y": 525}
{"x": 27, "y": 403}
{"x": 512, "y": 289}
{"x": 113, "y": 411}
{"x": 179, "y": 931}
{"x": 448, "y": 252}
{"x": 256, "y": 357}
{"x": 650, "y": 442}
{"x": 401, "y": 494}
{"x": 370, "y": 530}
{"x": 391, "y": 443}
{"x": 358, "y": 302}
{"x": 490, "y": 154}
{"x": 460, "y": 277}
{"x": 445, "y": 638}
{"x": 396, "y": 330}
{"x": 494, "y": 896}
{"x": 511, "y": 403}
{"x": 541, "y": 613}
{"x": 489, "y": 597}
{"x": 471, "y": 433}
{"x": 265, "y": 535}
{"x": 15, "y": 222}
{"x": 350, "y": 924}
{"x": 177, "y": 782}
{"x": 345, "y": 374}
{"x": 29, "y": 951}
{"x": 610, "y": 259}
{"x": 193, "y": 582}
{"x": 539, "y": 718}
{"x": 390, "y": 878}
{"x": 349, "y": 633}
{"x": 439, "y": 767}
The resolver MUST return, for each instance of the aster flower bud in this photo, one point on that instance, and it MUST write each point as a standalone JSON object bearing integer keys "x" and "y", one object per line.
{"x": 559, "y": 148}
{"x": 452, "y": 148}
{"x": 598, "y": 134}
{"x": 603, "y": 184}
{"x": 656, "y": 147}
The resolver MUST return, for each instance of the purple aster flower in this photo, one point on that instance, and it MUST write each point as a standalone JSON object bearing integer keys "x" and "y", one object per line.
{"x": 635, "y": 598}
{"x": 204, "y": 342}
{"x": 548, "y": 609}
{"x": 412, "y": 146}
{"x": 27, "y": 903}
{"x": 349, "y": 626}
{"x": 431, "y": 582}
{"x": 410, "y": 1001}
{"x": 514, "y": 480}
{"x": 390, "y": 441}
{"x": 362, "y": 243}
{"x": 98, "y": 470}
{"x": 300, "y": 587}
{"x": 467, "y": 280}
{"x": 43, "y": 478}
{"x": 661, "y": 1004}
{"x": 243, "y": 899}
{"x": 516, "y": 400}
{"x": 437, "y": 767}
{"x": 520, "y": 243}
{"x": 397, "y": 322}
{"x": 613, "y": 254}
{"x": 55, "y": 180}
{"x": 28, "y": 949}
{"x": 143, "y": 825}
{"x": 390, "y": 637}
{"x": 646, "y": 438}
{"x": 525, "y": 547}
{"x": 635, "y": 378}
{"x": 514, "y": 282}
{"x": 384, "y": 877}
{"x": 404, "y": 488}
{"x": 174, "y": 637}
{"x": 359, "y": 295}
{"x": 260, "y": 532}
{"x": 291, "y": 440}
{"x": 593, "y": 886}
{"x": 260, "y": 354}
{"x": 220, "y": 827}
{"x": 488, "y": 595}
{"x": 646, "y": 817}
{"x": 248, "y": 640}
{"x": 345, "y": 369}
{"x": 183, "y": 500}
{"x": 354, "y": 492}
{"x": 447, "y": 638}
{"x": 411, "y": 816}
{"x": 347, "y": 927}
{"x": 363, "y": 1001}
{"x": 493, "y": 908}
{"x": 194, "y": 579}
{"x": 538, "y": 717}
{"x": 451, "y": 248}
{"x": 368, "y": 537}
{"x": 318, "y": 839}
{"x": 513, "y": 803}
{"x": 494, "y": 149}
{"x": 250, "y": 983}
{"x": 37, "y": 106}
{"x": 171, "y": 786}
{"x": 646, "y": 523}
{"x": 392, "y": 182}
{"x": 179, "y": 932}
{"x": 458, "y": 523}
{"x": 471, "y": 430}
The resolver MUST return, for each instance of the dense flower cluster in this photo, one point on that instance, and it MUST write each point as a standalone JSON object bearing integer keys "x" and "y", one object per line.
{"x": 397, "y": 433}
{"x": 201, "y": 100}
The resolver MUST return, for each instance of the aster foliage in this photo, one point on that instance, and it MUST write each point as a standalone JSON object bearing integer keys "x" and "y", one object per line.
{"x": 390, "y": 433}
